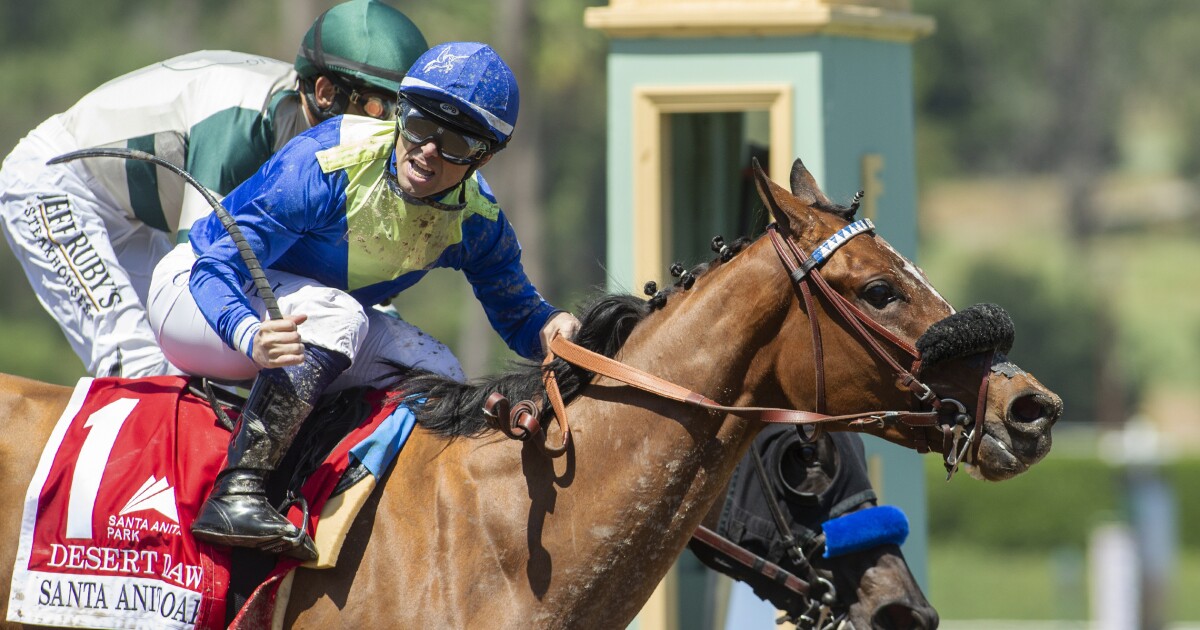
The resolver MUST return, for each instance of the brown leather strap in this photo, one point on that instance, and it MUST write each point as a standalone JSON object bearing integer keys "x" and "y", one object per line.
{"x": 521, "y": 421}
{"x": 560, "y": 409}
{"x": 792, "y": 267}
{"x": 604, "y": 366}
{"x": 745, "y": 558}
{"x": 849, "y": 312}
{"x": 601, "y": 365}
{"x": 518, "y": 422}
{"x": 981, "y": 407}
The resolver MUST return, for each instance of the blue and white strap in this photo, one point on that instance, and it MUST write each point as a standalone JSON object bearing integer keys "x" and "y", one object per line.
{"x": 831, "y": 244}
{"x": 865, "y": 529}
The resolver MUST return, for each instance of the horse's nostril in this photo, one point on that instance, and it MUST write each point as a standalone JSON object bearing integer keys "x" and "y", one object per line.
{"x": 1033, "y": 407}
{"x": 897, "y": 616}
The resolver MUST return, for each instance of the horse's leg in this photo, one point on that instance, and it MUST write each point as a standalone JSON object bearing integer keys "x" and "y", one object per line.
{"x": 28, "y": 412}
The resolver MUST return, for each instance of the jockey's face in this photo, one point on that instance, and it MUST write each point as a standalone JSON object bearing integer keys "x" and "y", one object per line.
{"x": 421, "y": 171}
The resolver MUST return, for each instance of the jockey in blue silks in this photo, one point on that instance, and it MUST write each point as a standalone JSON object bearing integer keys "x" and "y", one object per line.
{"x": 345, "y": 216}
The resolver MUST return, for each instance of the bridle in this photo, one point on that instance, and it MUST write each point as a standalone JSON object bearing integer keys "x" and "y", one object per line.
{"x": 947, "y": 415}
{"x": 836, "y": 519}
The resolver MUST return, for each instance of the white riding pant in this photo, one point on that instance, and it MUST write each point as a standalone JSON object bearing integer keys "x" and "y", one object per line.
{"x": 88, "y": 263}
{"x": 336, "y": 321}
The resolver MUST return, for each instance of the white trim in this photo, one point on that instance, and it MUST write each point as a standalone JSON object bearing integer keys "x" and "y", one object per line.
{"x": 244, "y": 335}
{"x": 29, "y": 516}
{"x": 176, "y": 600}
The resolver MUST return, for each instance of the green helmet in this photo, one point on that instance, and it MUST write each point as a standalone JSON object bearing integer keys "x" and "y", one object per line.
{"x": 362, "y": 39}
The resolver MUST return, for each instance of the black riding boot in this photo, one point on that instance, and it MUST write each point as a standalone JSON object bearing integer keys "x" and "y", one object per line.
{"x": 237, "y": 512}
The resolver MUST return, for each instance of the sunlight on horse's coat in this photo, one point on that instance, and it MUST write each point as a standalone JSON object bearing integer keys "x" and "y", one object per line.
{"x": 916, "y": 273}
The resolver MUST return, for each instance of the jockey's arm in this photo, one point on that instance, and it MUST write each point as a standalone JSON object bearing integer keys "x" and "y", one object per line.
{"x": 493, "y": 266}
{"x": 272, "y": 209}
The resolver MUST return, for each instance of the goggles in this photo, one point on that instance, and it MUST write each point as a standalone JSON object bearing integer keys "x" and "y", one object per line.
{"x": 376, "y": 104}
{"x": 454, "y": 146}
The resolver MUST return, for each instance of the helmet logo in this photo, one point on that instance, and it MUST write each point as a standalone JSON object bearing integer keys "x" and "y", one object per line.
{"x": 448, "y": 108}
{"x": 445, "y": 61}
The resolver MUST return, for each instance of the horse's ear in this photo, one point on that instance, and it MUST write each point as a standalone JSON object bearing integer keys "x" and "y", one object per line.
{"x": 805, "y": 189}
{"x": 770, "y": 193}
{"x": 764, "y": 186}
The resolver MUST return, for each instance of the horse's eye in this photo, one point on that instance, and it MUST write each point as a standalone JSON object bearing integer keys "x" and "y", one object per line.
{"x": 880, "y": 293}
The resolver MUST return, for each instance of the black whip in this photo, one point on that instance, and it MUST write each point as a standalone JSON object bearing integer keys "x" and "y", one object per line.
{"x": 247, "y": 254}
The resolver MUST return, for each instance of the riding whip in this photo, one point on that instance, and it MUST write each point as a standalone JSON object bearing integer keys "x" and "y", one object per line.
{"x": 243, "y": 247}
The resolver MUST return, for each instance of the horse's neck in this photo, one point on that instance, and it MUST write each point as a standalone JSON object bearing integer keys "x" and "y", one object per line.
{"x": 585, "y": 537}
{"x": 715, "y": 338}
{"x": 660, "y": 464}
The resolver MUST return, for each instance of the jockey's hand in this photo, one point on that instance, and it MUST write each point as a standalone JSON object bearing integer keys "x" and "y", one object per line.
{"x": 562, "y": 322}
{"x": 277, "y": 343}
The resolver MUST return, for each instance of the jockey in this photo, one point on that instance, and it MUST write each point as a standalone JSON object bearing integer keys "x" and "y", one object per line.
{"x": 89, "y": 233}
{"x": 348, "y": 214}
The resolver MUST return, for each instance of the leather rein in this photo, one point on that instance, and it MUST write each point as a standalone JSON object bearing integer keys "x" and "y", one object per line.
{"x": 522, "y": 420}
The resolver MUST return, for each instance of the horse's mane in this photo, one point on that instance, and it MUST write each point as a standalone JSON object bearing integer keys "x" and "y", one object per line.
{"x": 453, "y": 409}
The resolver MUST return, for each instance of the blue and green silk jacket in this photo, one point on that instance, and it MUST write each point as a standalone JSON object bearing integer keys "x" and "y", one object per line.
{"x": 323, "y": 208}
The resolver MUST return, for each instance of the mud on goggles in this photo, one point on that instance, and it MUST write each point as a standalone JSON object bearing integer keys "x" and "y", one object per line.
{"x": 454, "y": 146}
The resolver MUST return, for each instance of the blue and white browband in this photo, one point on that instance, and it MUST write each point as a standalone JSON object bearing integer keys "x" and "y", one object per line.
{"x": 826, "y": 249}
{"x": 865, "y": 529}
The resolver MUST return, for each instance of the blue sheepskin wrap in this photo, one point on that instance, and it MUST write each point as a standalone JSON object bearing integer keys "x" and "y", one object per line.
{"x": 865, "y": 529}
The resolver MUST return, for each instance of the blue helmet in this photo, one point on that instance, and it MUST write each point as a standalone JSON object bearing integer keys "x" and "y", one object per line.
{"x": 468, "y": 86}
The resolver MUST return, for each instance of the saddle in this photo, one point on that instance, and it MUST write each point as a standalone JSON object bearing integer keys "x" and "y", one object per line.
{"x": 254, "y": 589}
{"x": 107, "y": 536}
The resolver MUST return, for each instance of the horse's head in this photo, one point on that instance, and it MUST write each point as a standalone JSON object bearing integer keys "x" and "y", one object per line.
{"x": 864, "y": 582}
{"x": 879, "y": 322}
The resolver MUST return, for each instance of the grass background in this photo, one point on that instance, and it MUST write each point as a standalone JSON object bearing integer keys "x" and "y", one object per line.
{"x": 1018, "y": 550}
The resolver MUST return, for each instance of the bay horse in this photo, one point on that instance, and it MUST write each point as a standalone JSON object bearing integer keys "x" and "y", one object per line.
{"x": 476, "y": 531}
{"x": 810, "y": 483}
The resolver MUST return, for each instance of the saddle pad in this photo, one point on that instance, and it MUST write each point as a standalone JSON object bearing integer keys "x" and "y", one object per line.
{"x": 374, "y": 452}
{"x": 104, "y": 533}
{"x": 105, "y": 537}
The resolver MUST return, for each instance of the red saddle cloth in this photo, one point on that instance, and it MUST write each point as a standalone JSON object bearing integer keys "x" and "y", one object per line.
{"x": 105, "y": 536}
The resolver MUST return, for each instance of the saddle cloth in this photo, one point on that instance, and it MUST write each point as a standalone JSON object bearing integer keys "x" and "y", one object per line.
{"x": 105, "y": 532}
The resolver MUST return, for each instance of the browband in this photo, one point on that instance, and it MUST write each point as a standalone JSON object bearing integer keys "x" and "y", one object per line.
{"x": 831, "y": 244}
